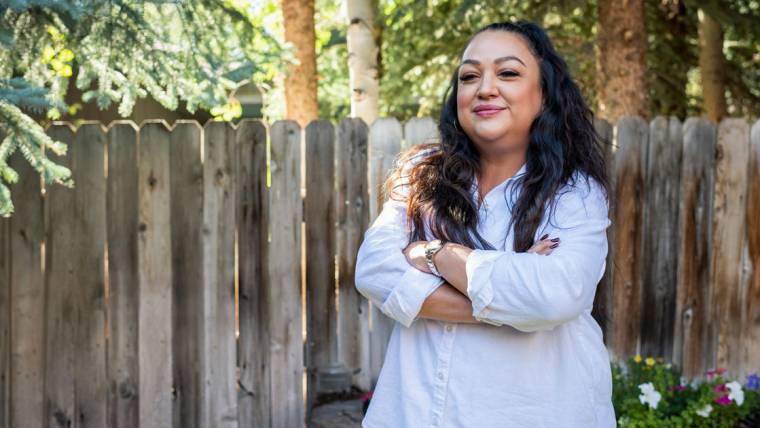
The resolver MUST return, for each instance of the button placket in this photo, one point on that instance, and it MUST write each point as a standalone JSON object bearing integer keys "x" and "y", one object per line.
{"x": 441, "y": 376}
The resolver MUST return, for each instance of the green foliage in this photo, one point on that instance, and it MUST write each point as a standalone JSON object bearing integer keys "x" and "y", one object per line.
{"x": 119, "y": 51}
{"x": 714, "y": 401}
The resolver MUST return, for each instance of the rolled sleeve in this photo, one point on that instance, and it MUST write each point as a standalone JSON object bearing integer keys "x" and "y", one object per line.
{"x": 533, "y": 292}
{"x": 383, "y": 275}
{"x": 405, "y": 300}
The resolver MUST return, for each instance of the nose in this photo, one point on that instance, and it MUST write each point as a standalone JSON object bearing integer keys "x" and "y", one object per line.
{"x": 487, "y": 88}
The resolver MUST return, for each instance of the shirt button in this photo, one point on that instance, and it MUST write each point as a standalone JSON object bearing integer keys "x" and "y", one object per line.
{"x": 435, "y": 421}
{"x": 440, "y": 375}
{"x": 448, "y": 327}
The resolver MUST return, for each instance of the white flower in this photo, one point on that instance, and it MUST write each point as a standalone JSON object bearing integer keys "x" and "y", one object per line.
{"x": 649, "y": 395}
{"x": 705, "y": 411}
{"x": 736, "y": 394}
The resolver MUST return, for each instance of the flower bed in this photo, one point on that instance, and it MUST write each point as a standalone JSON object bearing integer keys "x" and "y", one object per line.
{"x": 651, "y": 393}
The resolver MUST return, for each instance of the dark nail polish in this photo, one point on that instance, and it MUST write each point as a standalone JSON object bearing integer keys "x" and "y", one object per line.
{"x": 544, "y": 237}
{"x": 554, "y": 239}
{"x": 554, "y": 245}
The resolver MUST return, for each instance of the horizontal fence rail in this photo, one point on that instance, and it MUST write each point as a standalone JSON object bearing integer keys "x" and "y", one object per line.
{"x": 187, "y": 280}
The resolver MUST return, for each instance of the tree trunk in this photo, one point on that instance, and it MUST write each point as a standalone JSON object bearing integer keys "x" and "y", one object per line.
{"x": 622, "y": 63}
{"x": 363, "y": 59}
{"x": 712, "y": 67}
{"x": 301, "y": 79}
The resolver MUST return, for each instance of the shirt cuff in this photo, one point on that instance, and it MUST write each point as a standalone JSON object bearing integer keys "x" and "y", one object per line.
{"x": 478, "y": 267}
{"x": 405, "y": 300}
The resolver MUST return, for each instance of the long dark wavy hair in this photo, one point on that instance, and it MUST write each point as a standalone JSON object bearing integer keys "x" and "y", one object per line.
{"x": 562, "y": 140}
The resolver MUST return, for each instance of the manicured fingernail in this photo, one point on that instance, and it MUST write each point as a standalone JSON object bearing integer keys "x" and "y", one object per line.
{"x": 554, "y": 245}
{"x": 544, "y": 237}
{"x": 554, "y": 239}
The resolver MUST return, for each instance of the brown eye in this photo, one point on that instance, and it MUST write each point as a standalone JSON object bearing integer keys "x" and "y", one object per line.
{"x": 466, "y": 77}
{"x": 508, "y": 74}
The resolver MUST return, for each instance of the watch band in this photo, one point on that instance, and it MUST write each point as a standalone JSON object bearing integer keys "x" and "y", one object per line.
{"x": 431, "y": 248}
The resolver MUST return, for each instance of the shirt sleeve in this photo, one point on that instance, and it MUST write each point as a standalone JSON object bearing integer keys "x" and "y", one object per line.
{"x": 382, "y": 273}
{"x": 533, "y": 292}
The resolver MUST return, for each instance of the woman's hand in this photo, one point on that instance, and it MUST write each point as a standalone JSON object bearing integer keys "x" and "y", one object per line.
{"x": 415, "y": 255}
{"x": 544, "y": 246}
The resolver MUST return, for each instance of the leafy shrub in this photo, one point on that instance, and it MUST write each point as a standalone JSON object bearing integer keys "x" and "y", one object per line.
{"x": 651, "y": 393}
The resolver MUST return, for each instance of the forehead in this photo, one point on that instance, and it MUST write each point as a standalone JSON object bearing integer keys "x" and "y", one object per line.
{"x": 489, "y": 45}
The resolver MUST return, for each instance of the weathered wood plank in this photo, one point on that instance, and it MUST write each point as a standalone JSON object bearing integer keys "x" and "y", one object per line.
{"x": 219, "y": 403}
{"x": 27, "y": 290}
{"x": 254, "y": 400}
{"x": 660, "y": 244}
{"x": 186, "y": 184}
{"x": 61, "y": 284}
{"x": 729, "y": 211}
{"x": 121, "y": 230}
{"x": 91, "y": 382}
{"x": 284, "y": 277}
{"x": 603, "y": 306}
{"x": 353, "y": 215}
{"x": 155, "y": 277}
{"x": 751, "y": 322}
{"x": 690, "y": 345}
{"x": 419, "y": 130}
{"x": 5, "y": 321}
{"x": 319, "y": 217}
{"x": 385, "y": 137}
{"x": 628, "y": 184}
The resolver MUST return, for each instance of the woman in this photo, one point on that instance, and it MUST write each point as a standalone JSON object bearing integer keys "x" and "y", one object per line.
{"x": 494, "y": 327}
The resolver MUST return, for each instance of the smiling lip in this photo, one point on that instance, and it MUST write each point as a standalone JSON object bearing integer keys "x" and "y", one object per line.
{"x": 487, "y": 110}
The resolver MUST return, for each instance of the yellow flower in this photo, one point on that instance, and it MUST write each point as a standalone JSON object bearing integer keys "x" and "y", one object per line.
{"x": 650, "y": 361}
{"x": 637, "y": 358}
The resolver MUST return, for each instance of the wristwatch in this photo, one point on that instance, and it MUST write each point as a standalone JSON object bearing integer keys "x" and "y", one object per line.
{"x": 431, "y": 248}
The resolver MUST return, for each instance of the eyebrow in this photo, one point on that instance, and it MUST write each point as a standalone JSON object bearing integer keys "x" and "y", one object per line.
{"x": 496, "y": 61}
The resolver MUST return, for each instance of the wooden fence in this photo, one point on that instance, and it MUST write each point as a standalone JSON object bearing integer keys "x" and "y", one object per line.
{"x": 118, "y": 298}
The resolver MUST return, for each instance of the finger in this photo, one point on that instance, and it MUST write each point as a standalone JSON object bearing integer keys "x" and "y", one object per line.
{"x": 543, "y": 246}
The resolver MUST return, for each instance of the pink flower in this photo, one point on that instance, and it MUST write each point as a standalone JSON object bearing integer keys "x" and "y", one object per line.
{"x": 720, "y": 388}
{"x": 712, "y": 372}
{"x": 723, "y": 400}
{"x": 678, "y": 388}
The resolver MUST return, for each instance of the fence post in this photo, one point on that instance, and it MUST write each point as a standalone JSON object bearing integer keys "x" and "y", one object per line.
{"x": 690, "y": 345}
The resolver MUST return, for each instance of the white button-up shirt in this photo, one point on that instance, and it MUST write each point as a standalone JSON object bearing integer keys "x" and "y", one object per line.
{"x": 535, "y": 360}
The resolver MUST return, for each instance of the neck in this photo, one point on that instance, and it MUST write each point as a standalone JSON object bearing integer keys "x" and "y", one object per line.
{"x": 495, "y": 168}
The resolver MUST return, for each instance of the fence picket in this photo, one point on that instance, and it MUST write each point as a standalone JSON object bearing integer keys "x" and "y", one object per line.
{"x": 284, "y": 277}
{"x": 122, "y": 212}
{"x": 663, "y": 174}
{"x": 694, "y": 235}
{"x": 319, "y": 218}
{"x": 27, "y": 288}
{"x": 155, "y": 277}
{"x": 253, "y": 218}
{"x": 728, "y": 241}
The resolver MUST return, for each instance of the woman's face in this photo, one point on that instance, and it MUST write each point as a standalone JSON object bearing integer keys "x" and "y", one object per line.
{"x": 500, "y": 77}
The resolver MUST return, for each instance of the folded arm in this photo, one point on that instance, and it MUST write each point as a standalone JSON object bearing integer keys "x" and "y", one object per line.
{"x": 530, "y": 291}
